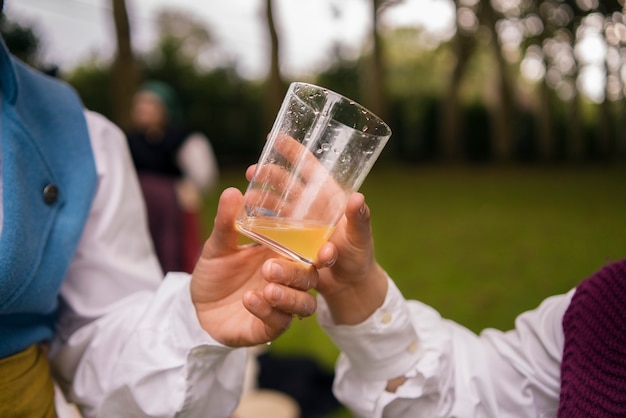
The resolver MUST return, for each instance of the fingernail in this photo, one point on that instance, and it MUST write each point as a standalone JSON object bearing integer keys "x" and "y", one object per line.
{"x": 362, "y": 210}
{"x": 277, "y": 269}
{"x": 305, "y": 308}
{"x": 277, "y": 293}
{"x": 253, "y": 299}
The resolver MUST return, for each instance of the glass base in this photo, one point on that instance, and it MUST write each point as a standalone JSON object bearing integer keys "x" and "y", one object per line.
{"x": 273, "y": 245}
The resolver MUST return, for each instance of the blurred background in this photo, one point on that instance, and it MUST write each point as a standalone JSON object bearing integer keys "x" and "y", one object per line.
{"x": 504, "y": 180}
{"x": 490, "y": 81}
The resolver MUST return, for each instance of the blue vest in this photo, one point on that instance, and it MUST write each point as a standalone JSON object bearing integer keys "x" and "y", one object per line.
{"x": 49, "y": 180}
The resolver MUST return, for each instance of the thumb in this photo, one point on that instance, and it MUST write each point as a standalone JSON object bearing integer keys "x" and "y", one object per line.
{"x": 358, "y": 228}
{"x": 224, "y": 235}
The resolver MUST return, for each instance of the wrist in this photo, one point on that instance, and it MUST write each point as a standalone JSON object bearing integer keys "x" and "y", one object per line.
{"x": 354, "y": 302}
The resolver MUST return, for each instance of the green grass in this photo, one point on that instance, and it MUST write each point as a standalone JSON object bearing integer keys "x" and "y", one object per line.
{"x": 480, "y": 244}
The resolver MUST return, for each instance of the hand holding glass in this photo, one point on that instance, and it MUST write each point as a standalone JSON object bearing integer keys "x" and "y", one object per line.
{"x": 319, "y": 151}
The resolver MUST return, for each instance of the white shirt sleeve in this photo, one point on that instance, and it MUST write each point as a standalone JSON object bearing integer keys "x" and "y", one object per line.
{"x": 128, "y": 341}
{"x": 450, "y": 371}
{"x": 198, "y": 162}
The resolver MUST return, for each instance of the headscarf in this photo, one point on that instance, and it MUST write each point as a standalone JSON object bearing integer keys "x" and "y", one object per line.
{"x": 168, "y": 97}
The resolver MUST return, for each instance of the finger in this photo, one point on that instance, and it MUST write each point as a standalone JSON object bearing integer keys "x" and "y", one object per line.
{"x": 276, "y": 187}
{"x": 279, "y": 180}
{"x": 358, "y": 226}
{"x": 224, "y": 235}
{"x": 298, "y": 154}
{"x": 314, "y": 177}
{"x": 326, "y": 256}
{"x": 289, "y": 300}
{"x": 276, "y": 321}
{"x": 289, "y": 273}
{"x": 250, "y": 171}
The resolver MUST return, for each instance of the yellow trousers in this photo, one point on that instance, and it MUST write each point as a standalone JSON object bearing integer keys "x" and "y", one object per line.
{"x": 26, "y": 389}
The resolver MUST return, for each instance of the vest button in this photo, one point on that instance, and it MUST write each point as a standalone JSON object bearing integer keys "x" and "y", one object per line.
{"x": 50, "y": 194}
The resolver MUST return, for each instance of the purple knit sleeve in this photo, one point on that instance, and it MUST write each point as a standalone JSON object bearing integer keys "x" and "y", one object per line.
{"x": 593, "y": 369}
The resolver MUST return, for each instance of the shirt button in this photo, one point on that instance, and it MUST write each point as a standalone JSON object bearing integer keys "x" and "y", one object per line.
{"x": 412, "y": 348}
{"x": 201, "y": 351}
{"x": 50, "y": 194}
{"x": 386, "y": 317}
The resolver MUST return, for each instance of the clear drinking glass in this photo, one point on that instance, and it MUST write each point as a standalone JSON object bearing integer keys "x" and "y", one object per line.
{"x": 319, "y": 151}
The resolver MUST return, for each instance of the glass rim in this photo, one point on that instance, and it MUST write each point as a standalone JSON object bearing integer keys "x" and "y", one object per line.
{"x": 351, "y": 102}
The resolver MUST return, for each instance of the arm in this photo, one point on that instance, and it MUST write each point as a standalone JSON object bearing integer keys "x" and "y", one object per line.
{"x": 200, "y": 171}
{"x": 401, "y": 359}
{"x": 131, "y": 343}
{"x": 123, "y": 331}
{"x": 198, "y": 162}
{"x": 450, "y": 371}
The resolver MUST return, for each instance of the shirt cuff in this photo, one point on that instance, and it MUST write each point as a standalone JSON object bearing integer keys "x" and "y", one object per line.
{"x": 383, "y": 346}
{"x": 184, "y": 323}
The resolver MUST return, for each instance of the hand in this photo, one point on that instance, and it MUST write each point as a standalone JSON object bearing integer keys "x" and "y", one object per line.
{"x": 231, "y": 289}
{"x": 274, "y": 186}
{"x": 188, "y": 195}
{"x": 353, "y": 284}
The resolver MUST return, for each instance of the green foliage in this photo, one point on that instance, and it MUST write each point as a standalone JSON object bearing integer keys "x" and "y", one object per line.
{"x": 476, "y": 132}
{"x": 21, "y": 40}
{"x": 215, "y": 100}
{"x": 413, "y": 70}
{"x": 344, "y": 77}
{"x": 91, "y": 80}
{"x": 218, "y": 103}
{"x": 414, "y": 122}
{"x": 230, "y": 109}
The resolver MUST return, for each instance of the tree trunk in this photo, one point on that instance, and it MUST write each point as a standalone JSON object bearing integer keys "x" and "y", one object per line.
{"x": 604, "y": 131}
{"x": 275, "y": 85}
{"x": 545, "y": 139}
{"x": 374, "y": 88}
{"x": 502, "y": 112}
{"x": 576, "y": 133}
{"x": 124, "y": 76}
{"x": 619, "y": 148}
{"x": 449, "y": 143}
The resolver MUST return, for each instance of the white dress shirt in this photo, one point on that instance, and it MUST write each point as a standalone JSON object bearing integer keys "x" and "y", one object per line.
{"x": 451, "y": 371}
{"x": 128, "y": 342}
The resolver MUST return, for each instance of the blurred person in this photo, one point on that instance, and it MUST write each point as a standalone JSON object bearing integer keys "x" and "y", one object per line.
{"x": 400, "y": 358}
{"x": 85, "y": 312}
{"x": 176, "y": 168}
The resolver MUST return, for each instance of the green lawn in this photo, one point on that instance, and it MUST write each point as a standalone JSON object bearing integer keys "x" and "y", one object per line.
{"x": 480, "y": 244}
